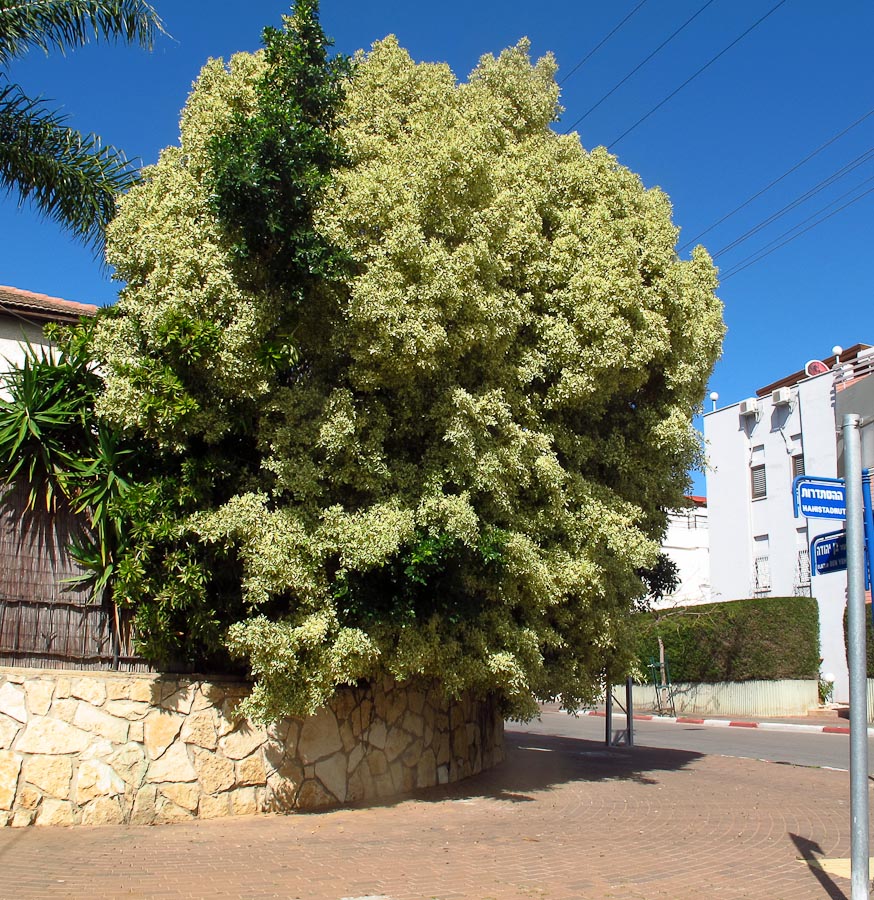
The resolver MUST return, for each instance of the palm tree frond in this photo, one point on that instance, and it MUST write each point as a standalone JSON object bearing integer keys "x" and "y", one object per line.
{"x": 62, "y": 24}
{"x": 69, "y": 177}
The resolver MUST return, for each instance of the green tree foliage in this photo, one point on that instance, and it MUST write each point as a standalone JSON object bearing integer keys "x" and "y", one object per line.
{"x": 69, "y": 177}
{"x": 463, "y": 467}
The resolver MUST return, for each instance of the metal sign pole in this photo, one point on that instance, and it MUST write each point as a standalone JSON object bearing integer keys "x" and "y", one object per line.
{"x": 857, "y": 662}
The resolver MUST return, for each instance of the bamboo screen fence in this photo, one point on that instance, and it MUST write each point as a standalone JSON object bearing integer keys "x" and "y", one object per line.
{"x": 46, "y": 622}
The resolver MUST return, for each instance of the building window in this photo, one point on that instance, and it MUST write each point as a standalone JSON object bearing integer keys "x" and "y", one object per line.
{"x": 802, "y": 574}
{"x": 797, "y": 465}
{"x": 759, "y": 485}
{"x": 761, "y": 576}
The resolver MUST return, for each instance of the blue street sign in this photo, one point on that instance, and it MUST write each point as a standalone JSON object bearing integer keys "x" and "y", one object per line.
{"x": 829, "y": 552}
{"x": 819, "y": 498}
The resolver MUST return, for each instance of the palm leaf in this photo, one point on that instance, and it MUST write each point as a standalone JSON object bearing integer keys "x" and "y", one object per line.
{"x": 69, "y": 177}
{"x": 62, "y": 24}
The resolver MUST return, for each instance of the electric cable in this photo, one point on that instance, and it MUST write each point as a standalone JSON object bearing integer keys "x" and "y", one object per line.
{"x": 798, "y": 225}
{"x": 603, "y": 41}
{"x": 777, "y": 180}
{"x": 691, "y": 78}
{"x": 640, "y": 65}
{"x": 736, "y": 269}
{"x": 826, "y": 182}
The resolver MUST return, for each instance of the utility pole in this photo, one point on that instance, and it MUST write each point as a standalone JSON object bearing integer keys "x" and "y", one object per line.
{"x": 856, "y": 657}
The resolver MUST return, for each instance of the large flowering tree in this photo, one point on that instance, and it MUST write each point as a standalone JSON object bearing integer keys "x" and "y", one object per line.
{"x": 424, "y": 368}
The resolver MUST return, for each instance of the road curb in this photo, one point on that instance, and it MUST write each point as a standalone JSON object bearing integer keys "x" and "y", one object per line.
{"x": 728, "y": 723}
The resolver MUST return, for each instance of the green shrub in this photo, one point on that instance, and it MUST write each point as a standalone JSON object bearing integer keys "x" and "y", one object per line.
{"x": 869, "y": 639}
{"x": 765, "y": 638}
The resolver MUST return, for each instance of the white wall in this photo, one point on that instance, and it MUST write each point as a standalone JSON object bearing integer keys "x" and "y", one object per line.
{"x": 687, "y": 543}
{"x": 742, "y": 528}
{"x": 14, "y": 333}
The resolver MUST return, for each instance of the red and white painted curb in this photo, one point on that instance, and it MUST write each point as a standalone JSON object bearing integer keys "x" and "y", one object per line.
{"x": 728, "y": 723}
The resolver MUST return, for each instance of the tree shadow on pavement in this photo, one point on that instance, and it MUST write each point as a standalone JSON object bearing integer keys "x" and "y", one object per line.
{"x": 538, "y": 762}
{"x": 811, "y": 852}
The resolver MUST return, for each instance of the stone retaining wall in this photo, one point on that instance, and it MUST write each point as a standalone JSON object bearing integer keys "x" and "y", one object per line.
{"x": 113, "y": 748}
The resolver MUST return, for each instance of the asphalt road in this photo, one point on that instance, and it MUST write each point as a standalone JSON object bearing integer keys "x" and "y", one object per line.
{"x": 794, "y": 748}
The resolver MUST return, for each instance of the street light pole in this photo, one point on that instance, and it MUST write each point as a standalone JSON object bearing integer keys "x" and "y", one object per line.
{"x": 856, "y": 657}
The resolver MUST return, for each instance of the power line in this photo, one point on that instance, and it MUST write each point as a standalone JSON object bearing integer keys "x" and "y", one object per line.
{"x": 691, "y": 78}
{"x": 768, "y": 187}
{"x": 802, "y": 222}
{"x": 661, "y": 46}
{"x": 826, "y": 182}
{"x": 603, "y": 41}
{"x": 739, "y": 268}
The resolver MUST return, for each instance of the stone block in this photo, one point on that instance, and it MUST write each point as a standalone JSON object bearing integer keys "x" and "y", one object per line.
{"x": 99, "y": 722}
{"x": 250, "y": 771}
{"x": 103, "y": 811}
{"x": 313, "y": 795}
{"x": 169, "y": 813}
{"x": 413, "y": 753}
{"x": 281, "y": 794}
{"x": 376, "y": 762}
{"x": 244, "y": 802}
{"x": 160, "y": 730}
{"x": 426, "y": 769}
{"x": 64, "y": 708}
{"x": 91, "y": 690}
{"x": 63, "y": 686}
{"x": 416, "y": 701}
{"x": 51, "y": 737}
{"x": 9, "y": 728}
{"x": 51, "y": 774}
{"x": 137, "y": 732}
{"x": 39, "y": 695}
{"x": 200, "y": 728}
{"x": 213, "y": 807}
{"x": 180, "y": 700}
{"x": 145, "y": 690}
{"x": 355, "y": 757}
{"x": 333, "y": 774}
{"x": 396, "y": 742}
{"x": 28, "y": 797}
{"x": 215, "y": 773}
{"x": 129, "y": 762}
{"x": 242, "y": 742}
{"x": 132, "y": 710}
{"x": 13, "y": 702}
{"x": 397, "y": 705}
{"x": 145, "y": 805}
{"x": 96, "y": 779}
{"x": 413, "y": 723}
{"x": 22, "y": 818}
{"x": 319, "y": 736}
{"x": 174, "y": 765}
{"x": 376, "y": 736}
{"x": 185, "y": 795}
{"x": 443, "y": 774}
{"x": 55, "y": 812}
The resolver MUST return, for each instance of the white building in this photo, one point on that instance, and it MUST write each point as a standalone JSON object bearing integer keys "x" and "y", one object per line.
{"x": 23, "y": 315}
{"x": 755, "y": 448}
{"x": 687, "y": 543}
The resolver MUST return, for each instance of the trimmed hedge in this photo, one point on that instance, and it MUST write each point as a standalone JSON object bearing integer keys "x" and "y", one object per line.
{"x": 765, "y": 638}
{"x": 869, "y": 639}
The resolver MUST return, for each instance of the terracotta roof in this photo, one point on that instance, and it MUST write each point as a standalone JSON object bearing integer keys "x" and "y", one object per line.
{"x": 14, "y": 301}
{"x": 849, "y": 354}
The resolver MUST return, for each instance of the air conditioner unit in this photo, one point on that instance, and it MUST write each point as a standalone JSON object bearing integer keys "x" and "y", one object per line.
{"x": 750, "y": 407}
{"x": 782, "y": 396}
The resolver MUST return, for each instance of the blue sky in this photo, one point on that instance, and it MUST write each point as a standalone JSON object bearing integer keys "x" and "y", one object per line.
{"x": 797, "y": 79}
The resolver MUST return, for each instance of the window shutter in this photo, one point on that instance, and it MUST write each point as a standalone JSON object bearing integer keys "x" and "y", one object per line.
{"x": 759, "y": 484}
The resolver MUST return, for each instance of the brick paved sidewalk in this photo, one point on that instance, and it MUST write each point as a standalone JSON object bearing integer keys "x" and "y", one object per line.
{"x": 561, "y": 819}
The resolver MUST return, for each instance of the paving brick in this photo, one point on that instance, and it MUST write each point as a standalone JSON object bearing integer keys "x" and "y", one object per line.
{"x": 566, "y": 821}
